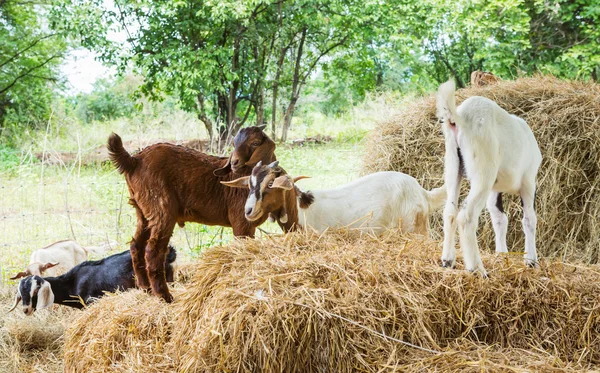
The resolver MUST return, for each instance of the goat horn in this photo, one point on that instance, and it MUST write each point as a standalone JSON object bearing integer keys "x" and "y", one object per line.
{"x": 274, "y": 164}
{"x": 300, "y": 178}
{"x": 259, "y": 164}
{"x": 17, "y": 300}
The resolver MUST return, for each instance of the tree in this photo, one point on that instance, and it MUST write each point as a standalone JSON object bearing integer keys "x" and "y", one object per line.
{"x": 30, "y": 55}
{"x": 221, "y": 58}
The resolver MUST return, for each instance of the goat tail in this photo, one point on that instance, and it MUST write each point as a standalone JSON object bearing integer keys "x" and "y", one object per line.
{"x": 436, "y": 198}
{"x": 122, "y": 160}
{"x": 446, "y": 102}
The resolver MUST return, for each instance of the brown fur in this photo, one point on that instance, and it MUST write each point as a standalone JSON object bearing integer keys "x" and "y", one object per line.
{"x": 483, "y": 78}
{"x": 171, "y": 184}
{"x": 276, "y": 201}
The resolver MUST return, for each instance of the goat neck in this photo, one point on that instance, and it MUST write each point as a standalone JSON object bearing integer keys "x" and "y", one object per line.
{"x": 290, "y": 210}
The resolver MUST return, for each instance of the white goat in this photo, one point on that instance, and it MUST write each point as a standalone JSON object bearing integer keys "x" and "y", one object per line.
{"x": 497, "y": 153}
{"x": 59, "y": 257}
{"x": 374, "y": 202}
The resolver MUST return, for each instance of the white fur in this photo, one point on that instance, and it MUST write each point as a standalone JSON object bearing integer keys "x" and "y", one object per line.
{"x": 500, "y": 155}
{"x": 374, "y": 202}
{"x": 67, "y": 253}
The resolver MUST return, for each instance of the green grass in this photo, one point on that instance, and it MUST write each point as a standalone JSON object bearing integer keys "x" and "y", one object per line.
{"x": 41, "y": 204}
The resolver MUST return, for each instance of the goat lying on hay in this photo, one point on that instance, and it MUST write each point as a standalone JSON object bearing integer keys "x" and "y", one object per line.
{"x": 171, "y": 184}
{"x": 347, "y": 302}
{"x": 84, "y": 283}
{"x": 59, "y": 257}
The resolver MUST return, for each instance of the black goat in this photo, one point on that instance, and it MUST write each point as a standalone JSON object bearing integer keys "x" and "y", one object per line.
{"x": 83, "y": 283}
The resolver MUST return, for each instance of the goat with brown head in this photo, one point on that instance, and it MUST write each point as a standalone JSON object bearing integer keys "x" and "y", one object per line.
{"x": 170, "y": 185}
{"x": 271, "y": 191}
{"x": 251, "y": 145}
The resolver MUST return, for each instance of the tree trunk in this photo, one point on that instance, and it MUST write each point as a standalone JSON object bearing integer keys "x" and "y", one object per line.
{"x": 260, "y": 106}
{"x": 296, "y": 86}
{"x": 204, "y": 118}
{"x": 287, "y": 119}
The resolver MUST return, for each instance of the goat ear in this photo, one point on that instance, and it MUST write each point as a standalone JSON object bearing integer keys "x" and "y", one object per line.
{"x": 300, "y": 178}
{"x": 223, "y": 170}
{"x": 17, "y": 300}
{"x": 45, "y": 296}
{"x": 241, "y": 182}
{"x": 263, "y": 153}
{"x": 283, "y": 182}
{"x": 19, "y": 275}
{"x": 45, "y": 266}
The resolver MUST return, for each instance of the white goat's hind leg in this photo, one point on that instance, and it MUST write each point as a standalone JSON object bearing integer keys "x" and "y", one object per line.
{"x": 450, "y": 212}
{"x": 467, "y": 220}
{"x": 529, "y": 222}
{"x": 499, "y": 220}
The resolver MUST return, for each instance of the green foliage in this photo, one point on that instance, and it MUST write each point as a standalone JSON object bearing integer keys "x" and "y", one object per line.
{"x": 506, "y": 37}
{"x": 108, "y": 100}
{"x": 30, "y": 54}
{"x": 220, "y": 58}
{"x": 9, "y": 158}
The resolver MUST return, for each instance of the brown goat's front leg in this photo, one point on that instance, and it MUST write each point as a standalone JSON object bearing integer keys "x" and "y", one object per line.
{"x": 241, "y": 227}
{"x": 137, "y": 248}
{"x": 156, "y": 255}
{"x": 243, "y": 230}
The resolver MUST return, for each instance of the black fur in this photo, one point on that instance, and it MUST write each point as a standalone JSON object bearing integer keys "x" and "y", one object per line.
{"x": 461, "y": 164}
{"x": 306, "y": 198}
{"x": 90, "y": 279}
{"x": 499, "y": 203}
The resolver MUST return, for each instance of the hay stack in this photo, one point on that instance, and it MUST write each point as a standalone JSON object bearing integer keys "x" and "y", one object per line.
{"x": 565, "y": 118}
{"x": 345, "y": 303}
{"x": 127, "y": 332}
{"x": 31, "y": 343}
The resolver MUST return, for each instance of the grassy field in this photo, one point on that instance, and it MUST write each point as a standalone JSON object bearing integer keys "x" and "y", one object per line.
{"x": 41, "y": 203}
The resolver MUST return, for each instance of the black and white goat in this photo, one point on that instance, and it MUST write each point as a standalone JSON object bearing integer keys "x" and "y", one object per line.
{"x": 497, "y": 153}
{"x": 83, "y": 283}
{"x": 375, "y": 202}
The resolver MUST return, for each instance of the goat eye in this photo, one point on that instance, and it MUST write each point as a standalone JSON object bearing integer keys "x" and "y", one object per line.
{"x": 255, "y": 144}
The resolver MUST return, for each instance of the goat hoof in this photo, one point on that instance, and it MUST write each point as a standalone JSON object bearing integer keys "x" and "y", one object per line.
{"x": 168, "y": 298}
{"x": 531, "y": 263}
{"x": 480, "y": 272}
{"x": 448, "y": 263}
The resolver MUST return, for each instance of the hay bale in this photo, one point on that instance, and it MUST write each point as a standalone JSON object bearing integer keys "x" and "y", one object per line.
{"x": 31, "y": 343}
{"x": 346, "y": 302}
{"x": 126, "y": 332}
{"x": 320, "y": 303}
{"x": 565, "y": 118}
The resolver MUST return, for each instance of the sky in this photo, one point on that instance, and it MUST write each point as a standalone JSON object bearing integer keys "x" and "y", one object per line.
{"x": 82, "y": 70}
{"x": 80, "y": 67}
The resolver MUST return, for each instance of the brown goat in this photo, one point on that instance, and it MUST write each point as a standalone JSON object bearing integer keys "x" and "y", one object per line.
{"x": 170, "y": 184}
{"x": 483, "y": 78}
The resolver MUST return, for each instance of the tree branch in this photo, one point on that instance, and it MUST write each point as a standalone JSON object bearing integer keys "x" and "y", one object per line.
{"x": 27, "y": 72}
{"x": 27, "y": 48}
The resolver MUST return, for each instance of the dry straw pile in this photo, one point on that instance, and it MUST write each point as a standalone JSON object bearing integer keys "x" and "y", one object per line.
{"x": 345, "y": 303}
{"x": 31, "y": 344}
{"x": 565, "y": 118}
